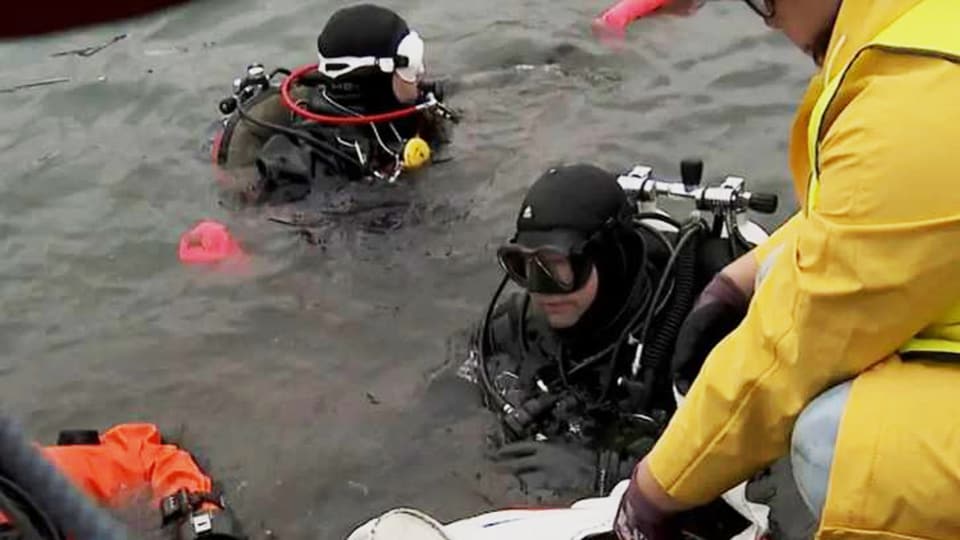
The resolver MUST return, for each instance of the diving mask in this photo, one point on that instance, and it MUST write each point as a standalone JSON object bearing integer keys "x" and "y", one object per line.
{"x": 550, "y": 268}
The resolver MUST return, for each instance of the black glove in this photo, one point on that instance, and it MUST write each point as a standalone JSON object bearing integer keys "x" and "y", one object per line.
{"x": 718, "y": 311}
{"x": 554, "y": 467}
{"x": 638, "y": 519}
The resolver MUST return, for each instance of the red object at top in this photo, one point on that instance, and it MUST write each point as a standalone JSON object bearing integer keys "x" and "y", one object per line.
{"x": 615, "y": 20}
{"x": 208, "y": 242}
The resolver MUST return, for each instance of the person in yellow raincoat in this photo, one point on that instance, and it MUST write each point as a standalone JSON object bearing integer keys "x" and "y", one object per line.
{"x": 848, "y": 355}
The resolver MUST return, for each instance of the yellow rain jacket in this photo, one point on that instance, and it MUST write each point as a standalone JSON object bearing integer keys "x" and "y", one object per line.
{"x": 868, "y": 268}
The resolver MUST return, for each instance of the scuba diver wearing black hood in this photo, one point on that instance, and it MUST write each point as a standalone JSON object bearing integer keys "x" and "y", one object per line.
{"x": 364, "y": 112}
{"x": 578, "y": 399}
{"x": 549, "y": 359}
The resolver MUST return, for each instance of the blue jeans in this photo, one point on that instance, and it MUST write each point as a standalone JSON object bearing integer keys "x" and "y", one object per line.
{"x": 813, "y": 443}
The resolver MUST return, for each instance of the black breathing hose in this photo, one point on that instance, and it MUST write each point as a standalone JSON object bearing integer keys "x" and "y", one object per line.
{"x": 648, "y": 314}
{"x": 522, "y": 326}
{"x": 615, "y": 347}
{"x": 67, "y": 508}
{"x": 656, "y": 216}
{"x": 648, "y": 305}
{"x": 501, "y": 402}
{"x": 658, "y": 234}
{"x": 660, "y": 347}
{"x": 297, "y": 134}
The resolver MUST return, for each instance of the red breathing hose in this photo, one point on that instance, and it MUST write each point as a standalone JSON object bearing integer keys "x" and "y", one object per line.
{"x": 291, "y": 104}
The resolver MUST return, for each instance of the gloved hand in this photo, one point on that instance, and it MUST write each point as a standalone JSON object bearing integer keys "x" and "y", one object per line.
{"x": 638, "y": 518}
{"x": 548, "y": 466}
{"x": 718, "y": 311}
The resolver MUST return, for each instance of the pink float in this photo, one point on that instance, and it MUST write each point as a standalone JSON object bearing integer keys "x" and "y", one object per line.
{"x": 208, "y": 242}
{"x": 614, "y": 21}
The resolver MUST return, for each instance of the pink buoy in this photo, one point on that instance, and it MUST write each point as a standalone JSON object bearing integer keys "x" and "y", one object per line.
{"x": 615, "y": 20}
{"x": 208, "y": 242}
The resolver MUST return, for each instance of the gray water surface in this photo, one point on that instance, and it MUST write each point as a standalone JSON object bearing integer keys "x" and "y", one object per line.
{"x": 304, "y": 380}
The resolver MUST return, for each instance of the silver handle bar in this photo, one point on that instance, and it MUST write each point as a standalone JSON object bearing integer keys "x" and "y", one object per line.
{"x": 729, "y": 196}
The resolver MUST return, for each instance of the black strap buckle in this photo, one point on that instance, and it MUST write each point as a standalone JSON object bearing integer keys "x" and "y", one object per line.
{"x": 210, "y": 524}
{"x": 181, "y": 504}
{"x": 70, "y": 437}
{"x": 200, "y": 524}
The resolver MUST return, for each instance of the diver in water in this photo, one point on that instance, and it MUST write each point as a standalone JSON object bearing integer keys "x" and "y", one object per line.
{"x": 579, "y": 365}
{"x": 364, "y": 113}
{"x": 116, "y": 468}
{"x": 553, "y": 360}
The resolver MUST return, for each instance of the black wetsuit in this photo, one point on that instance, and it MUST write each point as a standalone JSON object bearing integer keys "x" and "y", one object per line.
{"x": 533, "y": 364}
{"x": 289, "y": 168}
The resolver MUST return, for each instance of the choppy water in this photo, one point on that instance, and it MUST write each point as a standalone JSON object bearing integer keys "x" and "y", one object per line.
{"x": 305, "y": 380}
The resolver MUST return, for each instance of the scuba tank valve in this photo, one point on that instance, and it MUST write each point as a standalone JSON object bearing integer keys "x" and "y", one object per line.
{"x": 254, "y": 80}
{"x": 256, "y": 76}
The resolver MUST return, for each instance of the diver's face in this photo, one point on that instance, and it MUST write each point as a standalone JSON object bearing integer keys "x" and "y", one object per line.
{"x": 405, "y": 91}
{"x": 565, "y": 310}
{"x": 807, "y": 23}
